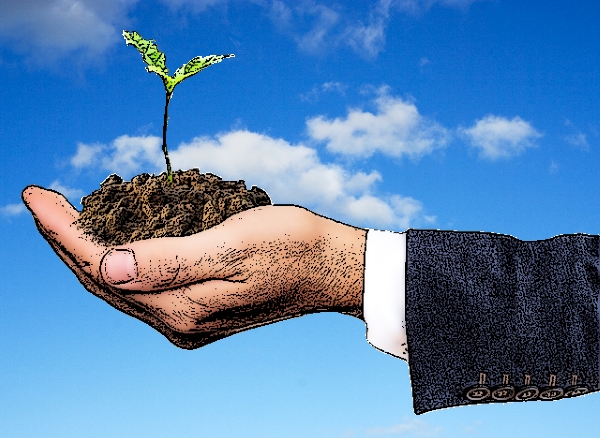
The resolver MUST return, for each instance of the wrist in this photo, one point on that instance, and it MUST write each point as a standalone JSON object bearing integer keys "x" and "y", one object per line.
{"x": 341, "y": 266}
{"x": 318, "y": 263}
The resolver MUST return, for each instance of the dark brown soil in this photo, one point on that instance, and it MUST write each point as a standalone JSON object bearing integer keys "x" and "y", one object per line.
{"x": 121, "y": 212}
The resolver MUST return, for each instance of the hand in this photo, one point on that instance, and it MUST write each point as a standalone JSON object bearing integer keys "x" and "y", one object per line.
{"x": 260, "y": 266}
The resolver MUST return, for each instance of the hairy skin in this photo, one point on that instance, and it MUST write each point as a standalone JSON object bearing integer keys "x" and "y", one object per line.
{"x": 263, "y": 265}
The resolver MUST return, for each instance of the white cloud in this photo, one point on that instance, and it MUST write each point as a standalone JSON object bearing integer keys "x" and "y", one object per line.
{"x": 49, "y": 30}
{"x": 409, "y": 427}
{"x": 127, "y": 152}
{"x": 125, "y": 155}
{"x": 498, "y": 137}
{"x": 68, "y": 192}
{"x": 290, "y": 174}
{"x": 396, "y": 129}
{"x": 13, "y": 209}
{"x": 86, "y": 154}
{"x": 396, "y": 210}
{"x": 294, "y": 173}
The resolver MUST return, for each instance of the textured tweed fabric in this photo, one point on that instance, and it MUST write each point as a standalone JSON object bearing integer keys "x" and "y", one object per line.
{"x": 517, "y": 311}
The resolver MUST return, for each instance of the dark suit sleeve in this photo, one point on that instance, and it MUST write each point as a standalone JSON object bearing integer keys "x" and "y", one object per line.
{"x": 490, "y": 318}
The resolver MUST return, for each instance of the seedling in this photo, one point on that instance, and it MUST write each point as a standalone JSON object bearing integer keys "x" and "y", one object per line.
{"x": 156, "y": 63}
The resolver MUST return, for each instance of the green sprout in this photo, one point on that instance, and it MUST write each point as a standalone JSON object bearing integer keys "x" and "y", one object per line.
{"x": 156, "y": 63}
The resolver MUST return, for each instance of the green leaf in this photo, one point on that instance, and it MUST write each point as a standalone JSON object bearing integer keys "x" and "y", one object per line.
{"x": 150, "y": 54}
{"x": 156, "y": 61}
{"x": 193, "y": 67}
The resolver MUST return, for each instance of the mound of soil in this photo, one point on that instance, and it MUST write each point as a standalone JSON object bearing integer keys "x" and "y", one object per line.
{"x": 121, "y": 212}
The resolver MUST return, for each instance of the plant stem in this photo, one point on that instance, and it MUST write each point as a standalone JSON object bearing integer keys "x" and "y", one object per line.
{"x": 164, "y": 145}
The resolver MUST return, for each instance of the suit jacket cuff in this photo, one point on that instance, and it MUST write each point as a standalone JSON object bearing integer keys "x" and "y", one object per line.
{"x": 490, "y": 318}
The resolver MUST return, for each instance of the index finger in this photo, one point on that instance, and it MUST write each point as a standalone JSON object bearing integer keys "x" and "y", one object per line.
{"x": 56, "y": 219}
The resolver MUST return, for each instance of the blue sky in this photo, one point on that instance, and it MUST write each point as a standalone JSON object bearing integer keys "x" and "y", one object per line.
{"x": 449, "y": 114}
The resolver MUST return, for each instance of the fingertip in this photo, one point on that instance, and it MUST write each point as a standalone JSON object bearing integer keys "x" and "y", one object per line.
{"x": 31, "y": 192}
{"x": 36, "y": 197}
{"x": 50, "y": 209}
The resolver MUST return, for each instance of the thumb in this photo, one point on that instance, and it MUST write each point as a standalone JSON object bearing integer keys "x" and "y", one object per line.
{"x": 119, "y": 266}
{"x": 155, "y": 264}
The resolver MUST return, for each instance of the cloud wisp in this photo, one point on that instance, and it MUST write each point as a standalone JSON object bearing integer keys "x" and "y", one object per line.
{"x": 417, "y": 7}
{"x": 196, "y": 6}
{"x": 69, "y": 193}
{"x": 10, "y": 210}
{"x": 318, "y": 27}
{"x": 328, "y": 87}
{"x": 576, "y": 138}
{"x": 74, "y": 196}
{"x": 498, "y": 137}
{"x": 369, "y": 39}
{"x": 408, "y": 427}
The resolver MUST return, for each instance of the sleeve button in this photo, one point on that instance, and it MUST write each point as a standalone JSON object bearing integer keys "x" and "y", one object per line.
{"x": 477, "y": 393}
{"x": 551, "y": 393}
{"x": 574, "y": 391}
{"x": 527, "y": 393}
{"x": 503, "y": 392}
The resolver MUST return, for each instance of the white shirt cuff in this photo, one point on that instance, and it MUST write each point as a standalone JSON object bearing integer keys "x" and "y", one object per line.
{"x": 384, "y": 292}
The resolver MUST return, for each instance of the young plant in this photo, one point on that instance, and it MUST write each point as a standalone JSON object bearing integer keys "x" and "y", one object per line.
{"x": 156, "y": 63}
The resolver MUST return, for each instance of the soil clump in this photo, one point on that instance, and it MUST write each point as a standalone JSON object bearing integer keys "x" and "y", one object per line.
{"x": 121, "y": 212}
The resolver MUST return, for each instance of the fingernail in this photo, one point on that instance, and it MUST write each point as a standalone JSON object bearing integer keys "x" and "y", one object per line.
{"x": 119, "y": 266}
